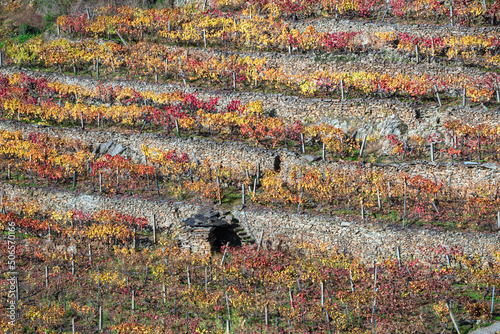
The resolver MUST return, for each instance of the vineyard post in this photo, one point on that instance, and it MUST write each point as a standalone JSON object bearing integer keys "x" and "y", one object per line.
{"x": 205, "y": 37}
{"x": 154, "y": 228}
{"x": 46, "y": 277}
{"x": 451, "y": 14}
{"x": 448, "y": 260}
{"x": 73, "y": 325}
{"x": 322, "y": 293}
{"x": 289, "y": 49}
{"x": 258, "y": 170}
{"x": 266, "y": 315}
{"x": 177, "y": 128}
{"x": 100, "y": 318}
{"x": 97, "y": 67}
{"x": 362, "y": 210}
{"x": 378, "y": 199}
{"x": 341, "y": 89}
{"x": 375, "y": 279}
{"x": 437, "y": 95}
{"x": 323, "y": 152}
{"x": 133, "y": 241}
{"x": 224, "y": 255}
{"x": 74, "y": 180}
{"x": 463, "y": 97}
{"x": 398, "y": 255}
{"x": 242, "y": 194}
{"x": 416, "y": 52}
{"x": 404, "y": 205}
{"x": 133, "y": 300}
{"x": 302, "y": 141}
{"x": 363, "y": 146}
{"x": 73, "y": 267}
{"x": 498, "y": 221}
{"x": 432, "y": 152}
{"x": 254, "y": 186}
{"x": 478, "y": 148}
{"x": 453, "y": 318}
{"x": 100, "y": 182}
{"x": 206, "y": 279}
{"x": 234, "y": 80}
{"x": 492, "y": 300}
{"x": 8, "y": 172}
{"x": 218, "y": 188}
{"x": 164, "y": 292}
{"x": 90, "y": 255}
{"x": 228, "y": 326}
{"x": 188, "y": 277}
{"x": 227, "y": 304}
{"x": 350, "y": 279}
{"x": 58, "y": 30}
{"x": 432, "y": 47}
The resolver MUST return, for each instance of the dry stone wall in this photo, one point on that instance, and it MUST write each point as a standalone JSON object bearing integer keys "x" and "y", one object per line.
{"x": 234, "y": 154}
{"x": 365, "y": 241}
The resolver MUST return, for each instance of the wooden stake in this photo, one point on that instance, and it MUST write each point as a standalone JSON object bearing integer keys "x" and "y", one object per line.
{"x": 363, "y": 146}
{"x": 224, "y": 255}
{"x": 100, "y": 318}
{"x": 227, "y": 304}
{"x": 341, "y": 89}
{"x": 206, "y": 280}
{"x": 322, "y": 293}
{"x": 90, "y": 255}
{"x": 243, "y": 194}
{"x": 492, "y": 300}
{"x": 398, "y": 254}
{"x": 350, "y": 278}
{"x": 154, "y": 228}
{"x": 437, "y": 95}
{"x": 404, "y": 206}
{"x": 177, "y": 128}
{"x": 453, "y": 318}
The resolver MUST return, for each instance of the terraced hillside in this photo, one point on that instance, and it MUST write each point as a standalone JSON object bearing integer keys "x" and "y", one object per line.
{"x": 349, "y": 155}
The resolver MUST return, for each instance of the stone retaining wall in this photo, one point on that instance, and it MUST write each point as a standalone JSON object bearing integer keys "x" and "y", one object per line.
{"x": 234, "y": 155}
{"x": 360, "y": 240}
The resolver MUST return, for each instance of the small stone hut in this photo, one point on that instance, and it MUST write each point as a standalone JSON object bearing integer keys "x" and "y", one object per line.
{"x": 207, "y": 231}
